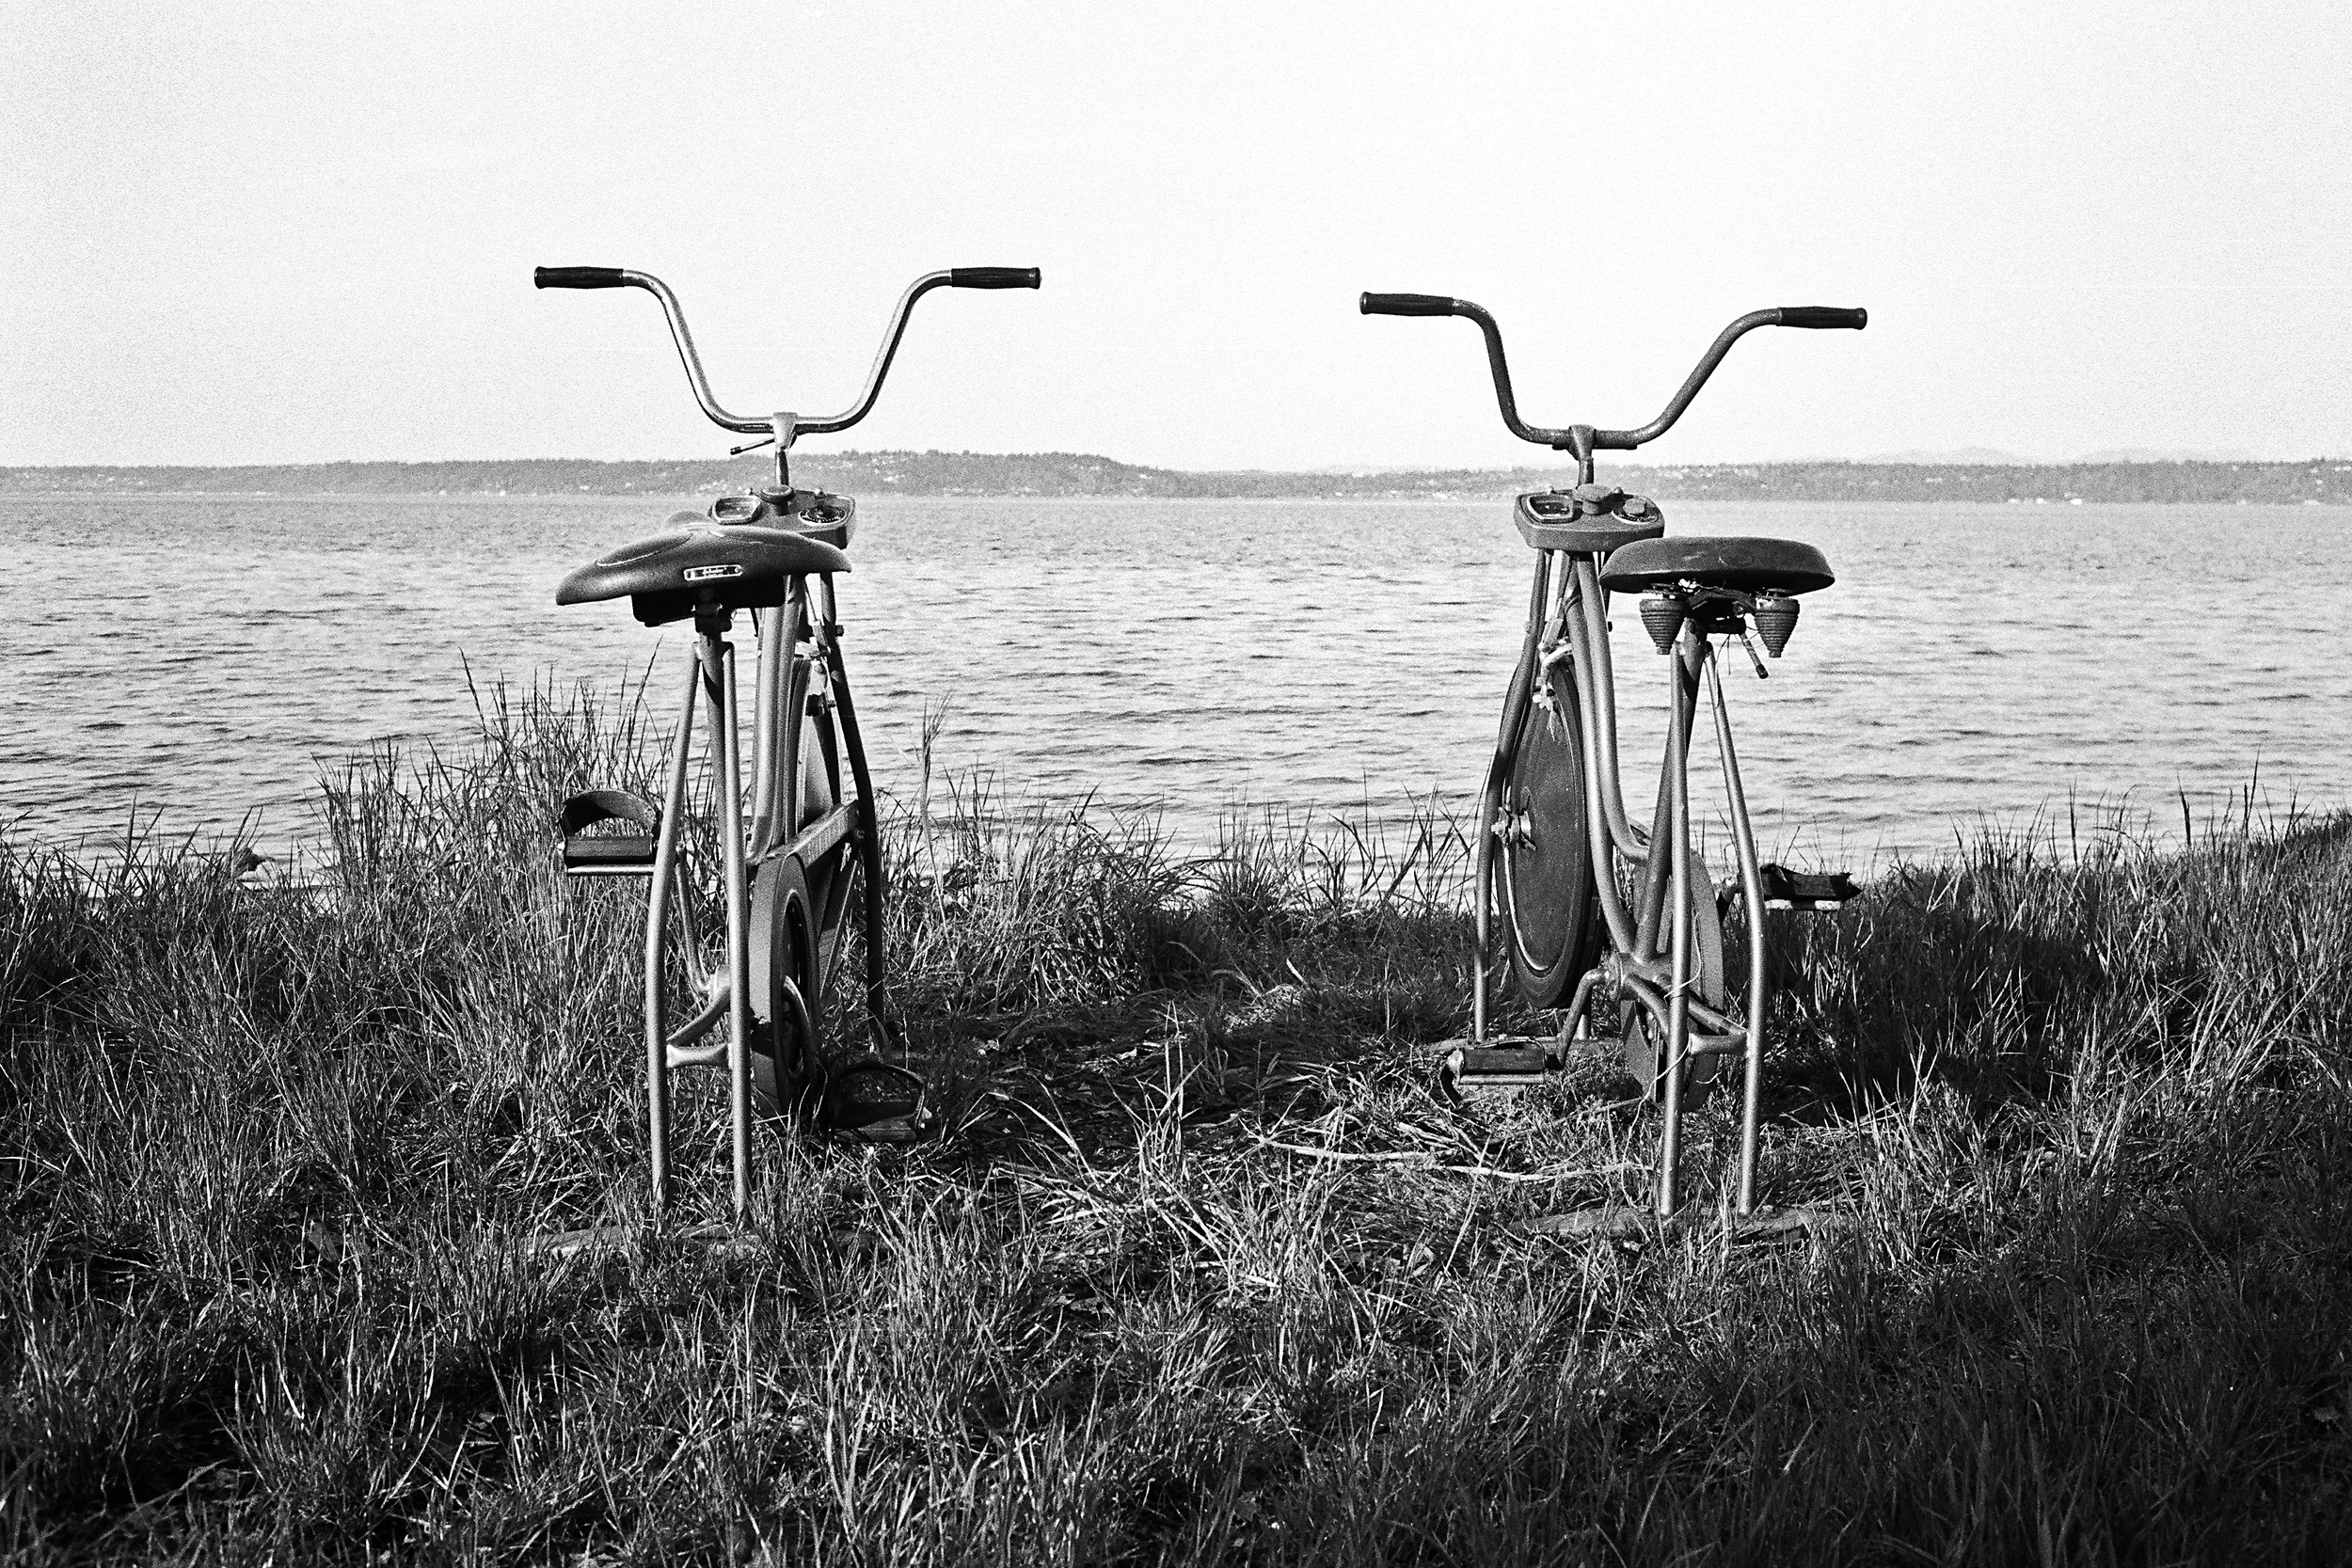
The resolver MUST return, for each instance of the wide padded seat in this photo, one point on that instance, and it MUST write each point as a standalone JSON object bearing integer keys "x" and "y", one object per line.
{"x": 737, "y": 565}
{"x": 1746, "y": 565}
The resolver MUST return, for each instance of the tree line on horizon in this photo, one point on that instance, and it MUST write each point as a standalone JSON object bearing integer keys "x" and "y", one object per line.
{"x": 2327, "y": 480}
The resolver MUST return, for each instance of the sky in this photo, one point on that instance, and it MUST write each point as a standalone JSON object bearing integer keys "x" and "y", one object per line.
{"x": 276, "y": 233}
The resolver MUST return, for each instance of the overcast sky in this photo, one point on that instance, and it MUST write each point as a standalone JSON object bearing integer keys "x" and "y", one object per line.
{"x": 278, "y": 234}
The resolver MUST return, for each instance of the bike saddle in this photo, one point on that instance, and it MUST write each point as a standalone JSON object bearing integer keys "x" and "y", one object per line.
{"x": 732, "y": 566}
{"x": 1744, "y": 565}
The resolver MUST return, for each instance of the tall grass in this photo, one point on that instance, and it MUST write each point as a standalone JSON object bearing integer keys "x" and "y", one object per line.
{"x": 1199, "y": 1273}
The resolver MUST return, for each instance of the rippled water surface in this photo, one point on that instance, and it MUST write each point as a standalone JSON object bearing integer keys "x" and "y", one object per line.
{"x": 200, "y": 654}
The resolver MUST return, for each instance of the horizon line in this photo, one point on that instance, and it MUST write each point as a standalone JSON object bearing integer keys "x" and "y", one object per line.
{"x": 1909, "y": 460}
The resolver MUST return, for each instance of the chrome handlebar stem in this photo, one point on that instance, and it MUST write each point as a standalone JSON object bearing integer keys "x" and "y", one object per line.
{"x": 1583, "y": 440}
{"x": 784, "y": 427}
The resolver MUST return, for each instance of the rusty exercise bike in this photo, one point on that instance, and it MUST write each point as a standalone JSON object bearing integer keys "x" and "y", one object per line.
{"x": 1620, "y": 927}
{"x": 807, "y": 851}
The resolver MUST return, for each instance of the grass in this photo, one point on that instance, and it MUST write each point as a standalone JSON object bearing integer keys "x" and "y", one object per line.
{"x": 273, "y": 1153}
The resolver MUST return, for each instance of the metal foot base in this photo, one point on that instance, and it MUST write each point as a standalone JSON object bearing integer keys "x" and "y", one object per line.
{"x": 717, "y": 1236}
{"x": 1626, "y": 1222}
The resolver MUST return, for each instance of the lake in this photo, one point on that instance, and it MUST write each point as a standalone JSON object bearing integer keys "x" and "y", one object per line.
{"x": 200, "y": 655}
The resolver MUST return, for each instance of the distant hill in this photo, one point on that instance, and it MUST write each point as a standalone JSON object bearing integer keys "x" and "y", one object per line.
{"x": 964, "y": 473}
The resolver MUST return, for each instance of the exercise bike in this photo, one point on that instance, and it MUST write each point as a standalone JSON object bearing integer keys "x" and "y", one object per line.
{"x": 805, "y": 857}
{"x": 1617, "y": 926}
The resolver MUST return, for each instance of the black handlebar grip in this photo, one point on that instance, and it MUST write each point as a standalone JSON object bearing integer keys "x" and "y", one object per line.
{"x": 577, "y": 278}
{"x": 1822, "y": 315}
{"x": 994, "y": 278}
{"x": 1405, "y": 305}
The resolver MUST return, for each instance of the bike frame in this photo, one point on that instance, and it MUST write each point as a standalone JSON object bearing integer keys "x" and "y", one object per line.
{"x": 799, "y": 667}
{"x": 805, "y": 730}
{"x": 1648, "y": 959}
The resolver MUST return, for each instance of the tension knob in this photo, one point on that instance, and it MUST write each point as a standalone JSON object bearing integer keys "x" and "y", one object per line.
{"x": 1775, "y": 618}
{"x": 1662, "y": 616}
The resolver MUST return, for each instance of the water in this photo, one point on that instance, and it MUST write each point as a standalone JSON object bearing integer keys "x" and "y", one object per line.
{"x": 202, "y": 655}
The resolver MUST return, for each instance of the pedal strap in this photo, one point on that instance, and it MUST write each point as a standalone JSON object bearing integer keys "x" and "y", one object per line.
{"x": 605, "y": 805}
{"x": 586, "y": 854}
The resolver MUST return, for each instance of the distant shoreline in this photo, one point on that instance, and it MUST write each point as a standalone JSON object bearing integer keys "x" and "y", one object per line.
{"x": 2324, "y": 481}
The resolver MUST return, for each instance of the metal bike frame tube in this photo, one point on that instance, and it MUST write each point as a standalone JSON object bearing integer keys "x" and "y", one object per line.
{"x": 1633, "y": 945}
{"x": 1483, "y": 892}
{"x": 666, "y": 875}
{"x": 1677, "y": 999}
{"x": 1598, "y": 701}
{"x": 779, "y": 766}
{"x": 1483, "y": 879}
{"x": 1646, "y": 984}
{"x": 1612, "y": 910}
{"x": 719, "y": 671}
{"x": 1531, "y": 650}
{"x": 797, "y": 678}
{"x": 769, "y": 624}
{"x": 1595, "y": 601}
{"x": 1645, "y": 991}
{"x": 1683, "y": 674}
{"x": 869, "y": 837}
{"x": 711, "y": 1054}
{"x": 1752, "y": 890}
{"x": 1658, "y": 871}
{"x": 683, "y": 1051}
{"x": 1493, "y": 802}
{"x": 1577, "y": 1002}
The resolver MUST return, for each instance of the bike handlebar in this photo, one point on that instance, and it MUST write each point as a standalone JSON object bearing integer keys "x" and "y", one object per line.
{"x": 1822, "y": 315}
{"x": 1584, "y": 440}
{"x": 577, "y": 278}
{"x": 784, "y": 426}
{"x": 992, "y": 277}
{"x": 1407, "y": 305}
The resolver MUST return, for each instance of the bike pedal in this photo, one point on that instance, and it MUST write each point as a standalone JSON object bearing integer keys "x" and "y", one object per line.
{"x": 607, "y": 854}
{"x": 874, "y": 1102}
{"x": 1785, "y": 889}
{"x": 895, "y": 1129}
{"x": 1498, "y": 1065}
